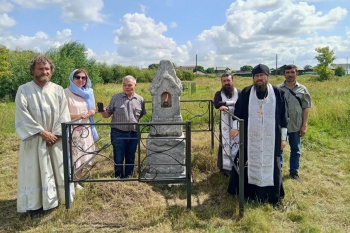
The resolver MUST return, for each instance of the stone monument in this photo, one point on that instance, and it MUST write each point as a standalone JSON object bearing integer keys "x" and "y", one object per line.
{"x": 165, "y": 146}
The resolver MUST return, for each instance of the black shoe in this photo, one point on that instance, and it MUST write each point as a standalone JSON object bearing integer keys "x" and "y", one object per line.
{"x": 36, "y": 213}
{"x": 295, "y": 176}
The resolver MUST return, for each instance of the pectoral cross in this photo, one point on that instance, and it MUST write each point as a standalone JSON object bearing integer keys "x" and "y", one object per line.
{"x": 260, "y": 112}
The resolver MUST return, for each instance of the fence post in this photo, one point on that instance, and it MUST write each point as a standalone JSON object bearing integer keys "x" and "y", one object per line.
{"x": 66, "y": 165}
{"x": 241, "y": 168}
{"x": 188, "y": 164}
{"x": 211, "y": 110}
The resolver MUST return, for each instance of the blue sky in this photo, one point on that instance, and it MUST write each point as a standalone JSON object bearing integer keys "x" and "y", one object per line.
{"x": 222, "y": 33}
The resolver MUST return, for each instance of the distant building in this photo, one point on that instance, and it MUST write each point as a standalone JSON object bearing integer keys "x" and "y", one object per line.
{"x": 190, "y": 68}
{"x": 200, "y": 73}
{"x": 221, "y": 70}
{"x": 345, "y": 66}
{"x": 243, "y": 73}
{"x": 280, "y": 70}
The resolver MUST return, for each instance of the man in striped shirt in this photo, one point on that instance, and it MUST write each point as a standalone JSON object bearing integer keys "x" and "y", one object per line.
{"x": 125, "y": 107}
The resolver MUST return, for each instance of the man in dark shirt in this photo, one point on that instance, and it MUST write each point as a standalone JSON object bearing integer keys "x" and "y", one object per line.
{"x": 126, "y": 107}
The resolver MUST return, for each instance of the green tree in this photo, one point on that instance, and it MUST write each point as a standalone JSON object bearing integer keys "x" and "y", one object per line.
{"x": 153, "y": 66}
{"x": 69, "y": 57}
{"x": 308, "y": 67}
{"x": 210, "y": 70}
{"x": 19, "y": 65}
{"x": 199, "y": 68}
{"x": 106, "y": 72}
{"x": 246, "y": 68}
{"x": 325, "y": 57}
{"x": 185, "y": 75}
{"x": 339, "y": 71}
{"x": 4, "y": 62}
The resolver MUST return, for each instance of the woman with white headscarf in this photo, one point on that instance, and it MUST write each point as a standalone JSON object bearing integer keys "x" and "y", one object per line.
{"x": 81, "y": 104}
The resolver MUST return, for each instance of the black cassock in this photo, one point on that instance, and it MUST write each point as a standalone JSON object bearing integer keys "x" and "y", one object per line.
{"x": 271, "y": 194}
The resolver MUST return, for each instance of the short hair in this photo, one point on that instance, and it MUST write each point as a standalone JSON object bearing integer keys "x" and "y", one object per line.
{"x": 289, "y": 67}
{"x": 129, "y": 77}
{"x": 226, "y": 75}
{"x": 41, "y": 58}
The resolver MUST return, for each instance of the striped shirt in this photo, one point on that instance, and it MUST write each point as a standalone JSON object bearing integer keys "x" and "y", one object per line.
{"x": 127, "y": 110}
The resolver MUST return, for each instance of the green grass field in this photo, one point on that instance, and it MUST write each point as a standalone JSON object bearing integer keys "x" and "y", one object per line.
{"x": 320, "y": 203}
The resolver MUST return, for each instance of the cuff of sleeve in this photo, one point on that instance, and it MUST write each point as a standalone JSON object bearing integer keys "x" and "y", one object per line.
{"x": 284, "y": 134}
{"x": 235, "y": 124}
{"x": 230, "y": 103}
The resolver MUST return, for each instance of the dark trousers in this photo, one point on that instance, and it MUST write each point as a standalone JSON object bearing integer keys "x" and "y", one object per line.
{"x": 124, "y": 148}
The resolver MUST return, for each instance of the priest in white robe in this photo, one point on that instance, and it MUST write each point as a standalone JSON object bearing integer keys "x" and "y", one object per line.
{"x": 263, "y": 109}
{"x": 41, "y": 107}
{"x": 224, "y": 101}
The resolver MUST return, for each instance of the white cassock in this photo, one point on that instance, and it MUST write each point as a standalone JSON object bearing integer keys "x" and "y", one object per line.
{"x": 229, "y": 146}
{"x": 261, "y": 138}
{"x": 40, "y": 167}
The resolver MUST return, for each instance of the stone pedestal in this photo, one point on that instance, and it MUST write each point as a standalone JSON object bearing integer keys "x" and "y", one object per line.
{"x": 165, "y": 157}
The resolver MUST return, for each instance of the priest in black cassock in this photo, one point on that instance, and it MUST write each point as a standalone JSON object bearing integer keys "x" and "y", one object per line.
{"x": 263, "y": 108}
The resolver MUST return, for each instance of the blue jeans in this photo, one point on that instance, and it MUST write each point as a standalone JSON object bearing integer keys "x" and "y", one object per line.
{"x": 294, "y": 142}
{"x": 124, "y": 147}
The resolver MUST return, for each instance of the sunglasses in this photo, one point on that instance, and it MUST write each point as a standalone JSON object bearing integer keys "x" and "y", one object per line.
{"x": 80, "y": 77}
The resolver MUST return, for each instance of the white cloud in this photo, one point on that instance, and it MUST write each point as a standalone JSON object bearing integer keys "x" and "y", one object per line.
{"x": 36, "y": 3}
{"x": 6, "y": 22}
{"x": 5, "y": 6}
{"x": 39, "y": 42}
{"x": 141, "y": 38}
{"x": 80, "y": 10}
{"x": 255, "y": 31}
{"x": 83, "y": 10}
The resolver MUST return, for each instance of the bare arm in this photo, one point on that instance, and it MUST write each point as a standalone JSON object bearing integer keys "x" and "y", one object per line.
{"x": 305, "y": 119}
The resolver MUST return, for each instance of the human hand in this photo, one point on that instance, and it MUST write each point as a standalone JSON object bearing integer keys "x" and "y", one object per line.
{"x": 302, "y": 131}
{"x": 90, "y": 113}
{"x": 48, "y": 137}
{"x": 223, "y": 108}
{"x": 234, "y": 133}
{"x": 283, "y": 144}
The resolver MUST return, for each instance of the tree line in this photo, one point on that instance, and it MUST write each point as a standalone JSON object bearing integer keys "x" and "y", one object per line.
{"x": 14, "y": 68}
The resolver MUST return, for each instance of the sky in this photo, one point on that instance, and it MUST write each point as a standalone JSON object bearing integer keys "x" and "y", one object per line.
{"x": 213, "y": 33}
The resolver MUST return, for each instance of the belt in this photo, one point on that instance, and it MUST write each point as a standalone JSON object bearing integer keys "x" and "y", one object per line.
{"x": 123, "y": 131}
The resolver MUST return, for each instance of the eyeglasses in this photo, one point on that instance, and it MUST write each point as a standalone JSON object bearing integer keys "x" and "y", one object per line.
{"x": 80, "y": 77}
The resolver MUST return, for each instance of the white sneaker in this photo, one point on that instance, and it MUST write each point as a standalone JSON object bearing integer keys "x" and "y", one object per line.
{"x": 79, "y": 187}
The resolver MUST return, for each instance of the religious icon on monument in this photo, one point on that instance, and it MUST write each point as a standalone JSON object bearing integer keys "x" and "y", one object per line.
{"x": 166, "y": 100}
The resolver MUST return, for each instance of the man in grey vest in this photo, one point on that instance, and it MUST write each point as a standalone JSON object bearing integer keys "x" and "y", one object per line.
{"x": 299, "y": 102}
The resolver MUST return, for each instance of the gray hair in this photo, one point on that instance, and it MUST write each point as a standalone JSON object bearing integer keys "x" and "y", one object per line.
{"x": 129, "y": 77}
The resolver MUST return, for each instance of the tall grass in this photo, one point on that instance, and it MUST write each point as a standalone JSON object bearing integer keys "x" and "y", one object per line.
{"x": 320, "y": 203}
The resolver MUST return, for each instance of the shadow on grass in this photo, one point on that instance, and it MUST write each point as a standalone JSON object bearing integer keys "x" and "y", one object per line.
{"x": 209, "y": 197}
{"x": 10, "y": 220}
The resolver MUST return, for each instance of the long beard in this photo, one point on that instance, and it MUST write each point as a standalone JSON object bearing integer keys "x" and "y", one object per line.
{"x": 228, "y": 91}
{"x": 262, "y": 87}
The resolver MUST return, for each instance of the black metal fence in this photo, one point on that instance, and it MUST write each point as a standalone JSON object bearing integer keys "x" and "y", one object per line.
{"x": 198, "y": 116}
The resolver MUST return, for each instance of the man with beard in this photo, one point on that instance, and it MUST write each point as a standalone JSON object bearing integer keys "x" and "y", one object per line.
{"x": 41, "y": 107}
{"x": 299, "y": 102}
{"x": 264, "y": 111}
{"x": 224, "y": 101}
